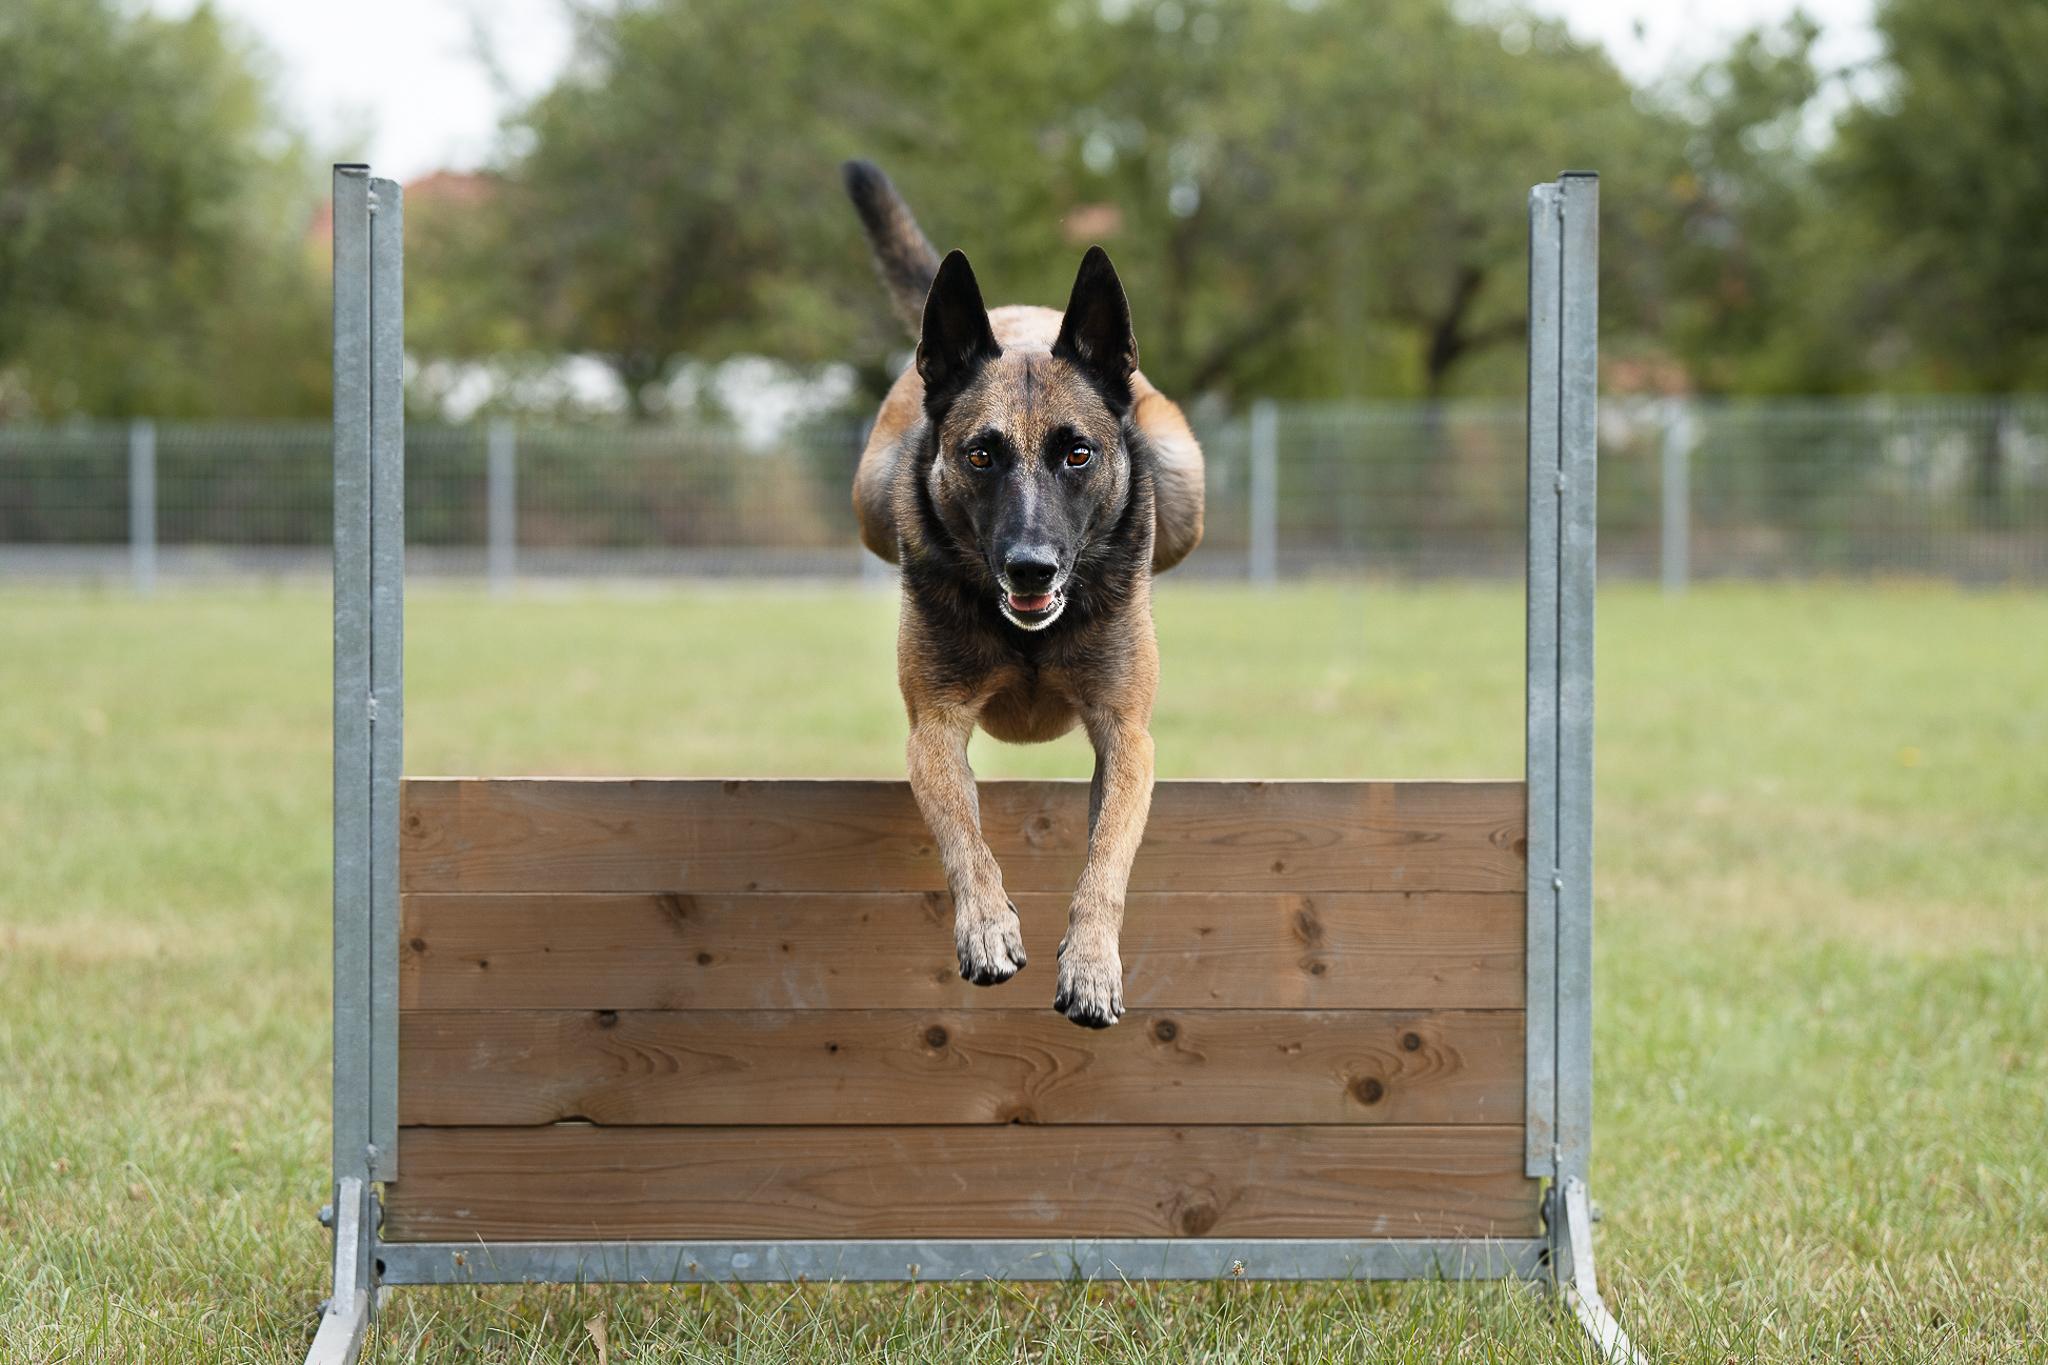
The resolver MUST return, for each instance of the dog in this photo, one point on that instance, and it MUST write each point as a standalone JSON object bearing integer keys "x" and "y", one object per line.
{"x": 1030, "y": 482}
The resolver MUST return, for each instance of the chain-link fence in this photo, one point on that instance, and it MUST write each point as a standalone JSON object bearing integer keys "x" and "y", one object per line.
{"x": 1884, "y": 485}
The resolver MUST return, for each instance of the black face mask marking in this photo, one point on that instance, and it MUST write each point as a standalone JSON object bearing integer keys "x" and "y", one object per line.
{"x": 1030, "y": 457}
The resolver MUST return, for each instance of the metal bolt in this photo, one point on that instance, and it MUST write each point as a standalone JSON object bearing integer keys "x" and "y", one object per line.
{"x": 327, "y": 1215}
{"x": 1557, "y": 883}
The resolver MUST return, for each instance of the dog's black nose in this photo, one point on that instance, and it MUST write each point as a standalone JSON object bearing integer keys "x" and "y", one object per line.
{"x": 1031, "y": 569}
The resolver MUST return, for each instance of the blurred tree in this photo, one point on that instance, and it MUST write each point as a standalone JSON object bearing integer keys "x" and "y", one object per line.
{"x": 1773, "y": 280}
{"x": 1900, "y": 244}
{"x": 1329, "y": 197}
{"x": 152, "y": 214}
{"x": 1947, "y": 153}
{"x": 1305, "y": 199}
{"x": 1946, "y": 157}
{"x": 676, "y": 193}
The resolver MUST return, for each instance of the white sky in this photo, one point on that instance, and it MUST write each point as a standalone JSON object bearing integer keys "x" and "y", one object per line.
{"x": 401, "y": 81}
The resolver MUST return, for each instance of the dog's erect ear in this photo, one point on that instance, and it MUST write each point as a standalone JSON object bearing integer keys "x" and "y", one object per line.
{"x": 1095, "y": 335}
{"x": 957, "y": 340}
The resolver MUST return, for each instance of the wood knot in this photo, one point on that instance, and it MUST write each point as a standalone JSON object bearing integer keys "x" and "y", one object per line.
{"x": 935, "y": 1036}
{"x": 1166, "y": 1030}
{"x": 1020, "y": 1114}
{"x": 414, "y": 823}
{"x": 1307, "y": 927}
{"x": 1196, "y": 1219}
{"x": 419, "y": 945}
{"x": 1411, "y": 1042}
{"x": 607, "y": 1018}
{"x": 1318, "y": 967}
{"x": 1369, "y": 1090}
{"x": 705, "y": 959}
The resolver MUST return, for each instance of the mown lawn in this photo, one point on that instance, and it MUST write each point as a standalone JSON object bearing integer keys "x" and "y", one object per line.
{"x": 1823, "y": 862}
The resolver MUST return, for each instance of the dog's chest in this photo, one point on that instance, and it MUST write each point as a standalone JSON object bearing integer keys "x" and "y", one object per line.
{"x": 1029, "y": 707}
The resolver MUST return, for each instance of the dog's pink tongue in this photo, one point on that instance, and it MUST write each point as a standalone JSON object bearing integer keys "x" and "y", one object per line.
{"x": 1019, "y": 602}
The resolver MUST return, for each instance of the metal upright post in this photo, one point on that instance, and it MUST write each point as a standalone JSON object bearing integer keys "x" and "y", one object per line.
{"x": 387, "y": 655}
{"x": 142, "y": 504}
{"x": 501, "y": 505}
{"x": 1564, "y": 329}
{"x": 1540, "y": 1090}
{"x": 1578, "y": 327}
{"x": 369, "y": 536}
{"x": 347, "y": 1313}
{"x": 1674, "y": 558}
{"x": 1263, "y": 552}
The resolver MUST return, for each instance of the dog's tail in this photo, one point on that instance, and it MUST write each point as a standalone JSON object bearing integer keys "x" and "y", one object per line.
{"x": 903, "y": 258}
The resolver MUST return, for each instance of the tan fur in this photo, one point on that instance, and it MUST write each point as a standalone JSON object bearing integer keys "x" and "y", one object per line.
{"x": 1115, "y": 705}
{"x": 985, "y": 928}
{"x": 1107, "y": 686}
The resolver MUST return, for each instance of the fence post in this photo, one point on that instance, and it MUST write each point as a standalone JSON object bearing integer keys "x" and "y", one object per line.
{"x": 142, "y": 504}
{"x": 1263, "y": 553}
{"x": 501, "y": 505}
{"x": 1675, "y": 540}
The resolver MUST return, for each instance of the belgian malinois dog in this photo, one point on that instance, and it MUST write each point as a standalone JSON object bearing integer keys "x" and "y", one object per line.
{"x": 1030, "y": 482}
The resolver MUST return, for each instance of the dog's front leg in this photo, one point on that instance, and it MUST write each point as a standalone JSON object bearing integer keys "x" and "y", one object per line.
{"x": 1091, "y": 984}
{"x": 986, "y": 932}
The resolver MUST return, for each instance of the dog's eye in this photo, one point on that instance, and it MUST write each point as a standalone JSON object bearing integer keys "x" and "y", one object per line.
{"x": 1079, "y": 453}
{"x": 978, "y": 456}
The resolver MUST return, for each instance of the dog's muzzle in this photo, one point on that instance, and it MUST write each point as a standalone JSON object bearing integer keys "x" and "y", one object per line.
{"x": 1029, "y": 611}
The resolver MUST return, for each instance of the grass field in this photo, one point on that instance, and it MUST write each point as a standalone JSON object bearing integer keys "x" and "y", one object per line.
{"x": 1823, "y": 862}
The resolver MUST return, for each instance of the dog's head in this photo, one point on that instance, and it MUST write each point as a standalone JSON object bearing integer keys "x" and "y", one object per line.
{"x": 1031, "y": 463}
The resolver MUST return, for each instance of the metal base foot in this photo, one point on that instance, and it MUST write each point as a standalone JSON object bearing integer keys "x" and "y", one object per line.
{"x": 1582, "y": 1288}
{"x": 342, "y": 1326}
{"x": 346, "y": 1317}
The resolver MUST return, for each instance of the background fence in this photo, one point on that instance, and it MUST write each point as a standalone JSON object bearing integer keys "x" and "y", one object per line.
{"x": 1946, "y": 488}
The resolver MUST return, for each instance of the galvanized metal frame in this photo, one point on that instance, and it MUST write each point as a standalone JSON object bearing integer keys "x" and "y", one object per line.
{"x": 1564, "y": 339}
{"x": 369, "y": 568}
{"x": 1161, "y": 1258}
{"x": 369, "y": 712}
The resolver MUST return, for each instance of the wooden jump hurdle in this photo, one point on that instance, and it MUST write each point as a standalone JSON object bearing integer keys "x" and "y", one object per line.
{"x": 673, "y": 1031}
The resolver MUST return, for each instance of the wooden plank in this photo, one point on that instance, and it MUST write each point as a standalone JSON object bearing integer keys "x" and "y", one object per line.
{"x": 577, "y": 1181}
{"x": 876, "y": 951}
{"x": 526, "y": 834}
{"x": 491, "y": 1067}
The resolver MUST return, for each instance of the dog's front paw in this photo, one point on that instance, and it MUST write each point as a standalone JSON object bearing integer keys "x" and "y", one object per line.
{"x": 990, "y": 941}
{"x": 1091, "y": 987}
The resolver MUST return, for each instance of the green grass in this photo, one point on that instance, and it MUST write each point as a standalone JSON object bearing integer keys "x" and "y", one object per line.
{"x": 1823, "y": 860}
